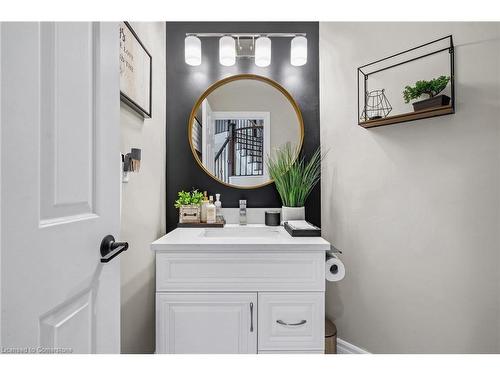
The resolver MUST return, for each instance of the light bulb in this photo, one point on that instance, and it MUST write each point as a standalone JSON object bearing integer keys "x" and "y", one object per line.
{"x": 298, "y": 51}
{"x": 192, "y": 50}
{"x": 263, "y": 51}
{"x": 227, "y": 51}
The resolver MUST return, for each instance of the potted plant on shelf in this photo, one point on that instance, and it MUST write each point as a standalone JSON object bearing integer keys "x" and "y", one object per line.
{"x": 188, "y": 204}
{"x": 294, "y": 178}
{"x": 432, "y": 88}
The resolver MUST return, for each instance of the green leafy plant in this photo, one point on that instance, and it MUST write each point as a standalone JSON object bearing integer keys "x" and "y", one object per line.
{"x": 186, "y": 198}
{"x": 293, "y": 176}
{"x": 431, "y": 88}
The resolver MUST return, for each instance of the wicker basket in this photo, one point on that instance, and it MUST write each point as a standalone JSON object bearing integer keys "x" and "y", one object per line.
{"x": 189, "y": 214}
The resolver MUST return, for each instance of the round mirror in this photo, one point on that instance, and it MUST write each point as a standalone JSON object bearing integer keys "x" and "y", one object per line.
{"x": 237, "y": 123}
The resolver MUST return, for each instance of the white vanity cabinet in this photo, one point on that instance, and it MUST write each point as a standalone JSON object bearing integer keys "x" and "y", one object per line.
{"x": 226, "y": 296}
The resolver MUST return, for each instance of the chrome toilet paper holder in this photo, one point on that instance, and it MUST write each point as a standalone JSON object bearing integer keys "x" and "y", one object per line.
{"x": 334, "y": 250}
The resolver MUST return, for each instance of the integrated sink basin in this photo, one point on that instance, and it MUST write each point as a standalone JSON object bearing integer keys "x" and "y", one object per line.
{"x": 241, "y": 232}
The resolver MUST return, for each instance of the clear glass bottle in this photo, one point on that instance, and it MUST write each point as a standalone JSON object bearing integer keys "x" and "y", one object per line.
{"x": 211, "y": 211}
{"x": 218, "y": 207}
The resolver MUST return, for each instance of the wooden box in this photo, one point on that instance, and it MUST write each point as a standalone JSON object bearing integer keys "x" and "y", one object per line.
{"x": 189, "y": 214}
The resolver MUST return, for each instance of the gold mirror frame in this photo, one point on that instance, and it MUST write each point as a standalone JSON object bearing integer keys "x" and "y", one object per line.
{"x": 222, "y": 82}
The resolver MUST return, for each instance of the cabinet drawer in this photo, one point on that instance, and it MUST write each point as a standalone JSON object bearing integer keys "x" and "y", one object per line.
{"x": 291, "y": 321}
{"x": 240, "y": 271}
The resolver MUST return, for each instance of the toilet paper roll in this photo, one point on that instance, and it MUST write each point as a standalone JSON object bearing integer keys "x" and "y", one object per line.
{"x": 334, "y": 268}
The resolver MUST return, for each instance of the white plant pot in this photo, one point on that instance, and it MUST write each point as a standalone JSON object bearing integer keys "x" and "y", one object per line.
{"x": 292, "y": 213}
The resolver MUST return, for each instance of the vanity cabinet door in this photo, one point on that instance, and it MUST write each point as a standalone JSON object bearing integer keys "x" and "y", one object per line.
{"x": 203, "y": 323}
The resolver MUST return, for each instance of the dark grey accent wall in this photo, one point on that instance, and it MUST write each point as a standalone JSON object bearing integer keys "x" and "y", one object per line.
{"x": 186, "y": 83}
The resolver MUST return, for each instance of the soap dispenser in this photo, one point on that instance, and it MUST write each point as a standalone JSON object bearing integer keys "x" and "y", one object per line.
{"x": 204, "y": 204}
{"x": 211, "y": 211}
{"x": 218, "y": 207}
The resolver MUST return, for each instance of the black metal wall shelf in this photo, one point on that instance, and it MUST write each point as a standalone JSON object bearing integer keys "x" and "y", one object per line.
{"x": 424, "y": 50}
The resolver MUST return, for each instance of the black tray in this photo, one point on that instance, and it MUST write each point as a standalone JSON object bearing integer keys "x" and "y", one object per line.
{"x": 303, "y": 232}
{"x": 219, "y": 224}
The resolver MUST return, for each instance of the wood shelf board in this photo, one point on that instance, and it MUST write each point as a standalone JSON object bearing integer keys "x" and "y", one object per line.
{"x": 410, "y": 116}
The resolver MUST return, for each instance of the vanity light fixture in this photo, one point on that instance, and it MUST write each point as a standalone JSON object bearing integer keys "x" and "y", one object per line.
{"x": 227, "y": 51}
{"x": 263, "y": 51}
{"x": 298, "y": 51}
{"x": 234, "y": 46}
{"x": 192, "y": 50}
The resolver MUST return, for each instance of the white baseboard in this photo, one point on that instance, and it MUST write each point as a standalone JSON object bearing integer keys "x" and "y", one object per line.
{"x": 344, "y": 347}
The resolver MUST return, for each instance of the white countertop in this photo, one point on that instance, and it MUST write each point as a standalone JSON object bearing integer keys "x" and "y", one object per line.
{"x": 195, "y": 239}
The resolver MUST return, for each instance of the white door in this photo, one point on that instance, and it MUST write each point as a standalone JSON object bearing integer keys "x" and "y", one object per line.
{"x": 60, "y": 182}
{"x": 206, "y": 323}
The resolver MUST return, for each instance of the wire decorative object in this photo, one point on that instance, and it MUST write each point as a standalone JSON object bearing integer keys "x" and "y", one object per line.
{"x": 377, "y": 105}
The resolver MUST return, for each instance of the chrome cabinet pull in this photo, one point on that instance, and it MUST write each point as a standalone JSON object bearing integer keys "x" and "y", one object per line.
{"x": 251, "y": 316}
{"x": 302, "y": 322}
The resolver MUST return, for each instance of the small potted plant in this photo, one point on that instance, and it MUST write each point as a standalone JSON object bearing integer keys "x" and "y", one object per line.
{"x": 188, "y": 204}
{"x": 294, "y": 178}
{"x": 431, "y": 88}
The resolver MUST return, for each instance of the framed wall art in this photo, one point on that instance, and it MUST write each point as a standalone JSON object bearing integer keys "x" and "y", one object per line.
{"x": 135, "y": 72}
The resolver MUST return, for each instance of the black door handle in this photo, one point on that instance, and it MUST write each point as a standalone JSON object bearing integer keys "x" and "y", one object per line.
{"x": 110, "y": 248}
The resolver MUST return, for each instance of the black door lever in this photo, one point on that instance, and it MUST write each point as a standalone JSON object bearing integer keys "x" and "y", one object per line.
{"x": 110, "y": 248}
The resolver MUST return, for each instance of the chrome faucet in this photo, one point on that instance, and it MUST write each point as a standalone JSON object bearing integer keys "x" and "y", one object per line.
{"x": 243, "y": 212}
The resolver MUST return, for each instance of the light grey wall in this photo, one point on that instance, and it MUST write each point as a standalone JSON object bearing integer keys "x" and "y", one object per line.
{"x": 143, "y": 202}
{"x": 414, "y": 206}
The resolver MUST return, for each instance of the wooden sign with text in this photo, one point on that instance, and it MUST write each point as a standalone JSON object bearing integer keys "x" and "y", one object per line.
{"x": 135, "y": 71}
